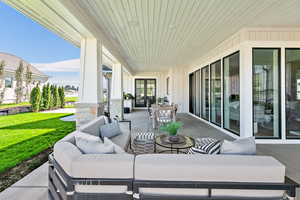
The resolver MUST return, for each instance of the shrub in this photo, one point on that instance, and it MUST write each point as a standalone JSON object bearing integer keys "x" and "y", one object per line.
{"x": 61, "y": 92}
{"x": 35, "y": 98}
{"x": 56, "y": 98}
{"x": 51, "y": 102}
{"x": 45, "y": 102}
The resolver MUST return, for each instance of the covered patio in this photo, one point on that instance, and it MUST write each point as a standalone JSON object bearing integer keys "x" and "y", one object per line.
{"x": 35, "y": 185}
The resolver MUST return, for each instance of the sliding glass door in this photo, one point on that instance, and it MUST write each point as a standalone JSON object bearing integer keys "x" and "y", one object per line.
{"x": 266, "y": 93}
{"x": 292, "y": 96}
{"x": 205, "y": 93}
{"x": 231, "y": 93}
{"x": 192, "y": 92}
{"x": 197, "y": 92}
{"x": 215, "y": 93}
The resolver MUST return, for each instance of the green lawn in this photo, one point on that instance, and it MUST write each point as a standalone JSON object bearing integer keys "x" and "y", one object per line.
{"x": 25, "y": 135}
{"x": 71, "y": 99}
{"x": 10, "y": 105}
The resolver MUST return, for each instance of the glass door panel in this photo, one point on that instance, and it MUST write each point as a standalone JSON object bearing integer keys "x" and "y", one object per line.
{"x": 192, "y": 92}
{"x": 292, "y": 96}
{"x": 231, "y": 93}
{"x": 215, "y": 93}
{"x": 266, "y": 93}
{"x": 145, "y": 92}
{"x": 205, "y": 93}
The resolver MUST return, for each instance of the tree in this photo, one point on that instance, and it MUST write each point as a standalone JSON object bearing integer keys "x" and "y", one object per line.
{"x": 45, "y": 102}
{"x": 55, "y": 97}
{"x": 51, "y": 103}
{"x": 28, "y": 80}
{"x": 61, "y": 92}
{"x": 35, "y": 98}
{"x": 19, "y": 82}
{"x": 2, "y": 86}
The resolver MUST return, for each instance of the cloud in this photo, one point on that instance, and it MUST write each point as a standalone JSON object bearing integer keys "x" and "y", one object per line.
{"x": 61, "y": 66}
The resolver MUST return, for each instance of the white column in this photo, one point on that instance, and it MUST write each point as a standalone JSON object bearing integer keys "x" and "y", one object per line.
{"x": 246, "y": 121}
{"x": 90, "y": 89}
{"x": 116, "y": 108}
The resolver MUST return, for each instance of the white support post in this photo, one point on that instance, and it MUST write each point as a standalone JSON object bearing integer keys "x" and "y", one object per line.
{"x": 116, "y": 108}
{"x": 246, "y": 121}
{"x": 90, "y": 103}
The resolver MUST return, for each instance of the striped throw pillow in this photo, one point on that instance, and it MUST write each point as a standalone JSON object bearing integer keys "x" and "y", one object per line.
{"x": 206, "y": 146}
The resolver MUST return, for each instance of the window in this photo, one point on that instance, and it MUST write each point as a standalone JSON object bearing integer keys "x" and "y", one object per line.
{"x": 266, "y": 92}
{"x": 197, "y": 92}
{"x": 292, "y": 96}
{"x": 192, "y": 93}
{"x": 231, "y": 93}
{"x": 8, "y": 82}
{"x": 205, "y": 93}
{"x": 215, "y": 93}
{"x": 168, "y": 80}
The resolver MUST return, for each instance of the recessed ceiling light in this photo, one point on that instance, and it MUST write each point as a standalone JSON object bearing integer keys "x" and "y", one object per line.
{"x": 172, "y": 26}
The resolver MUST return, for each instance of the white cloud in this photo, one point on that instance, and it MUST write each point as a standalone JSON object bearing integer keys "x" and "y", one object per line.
{"x": 61, "y": 66}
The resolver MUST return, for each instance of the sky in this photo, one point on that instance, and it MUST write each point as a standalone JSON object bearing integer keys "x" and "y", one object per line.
{"x": 21, "y": 36}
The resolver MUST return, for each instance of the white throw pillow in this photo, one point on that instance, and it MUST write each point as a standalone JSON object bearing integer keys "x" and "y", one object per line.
{"x": 243, "y": 146}
{"x": 90, "y": 144}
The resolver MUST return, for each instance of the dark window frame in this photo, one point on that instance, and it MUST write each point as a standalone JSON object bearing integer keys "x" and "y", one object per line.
{"x": 279, "y": 94}
{"x": 145, "y": 90}
{"x": 285, "y": 49}
{"x": 11, "y": 82}
{"x": 223, "y": 86}
{"x": 202, "y": 69}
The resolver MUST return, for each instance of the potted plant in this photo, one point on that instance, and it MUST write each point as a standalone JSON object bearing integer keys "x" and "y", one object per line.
{"x": 172, "y": 129}
{"x": 128, "y": 102}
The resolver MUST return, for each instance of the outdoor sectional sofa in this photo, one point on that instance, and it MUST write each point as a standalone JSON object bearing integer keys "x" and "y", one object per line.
{"x": 74, "y": 175}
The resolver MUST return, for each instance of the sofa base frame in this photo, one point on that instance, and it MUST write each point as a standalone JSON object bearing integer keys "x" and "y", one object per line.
{"x": 290, "y": 189}
{"x": 62, "y": 186}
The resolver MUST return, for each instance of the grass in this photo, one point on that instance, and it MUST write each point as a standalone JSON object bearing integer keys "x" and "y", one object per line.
{"x": 25, "y": 135}
{"x": 71, "y": 99}
{"x": 11, "y": 105}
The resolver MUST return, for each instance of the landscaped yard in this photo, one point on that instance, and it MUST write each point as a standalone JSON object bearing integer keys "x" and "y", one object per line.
{"x": 25, "y": 135}
{"x": 71, "y": 99}
{"x": 11, "y": 105}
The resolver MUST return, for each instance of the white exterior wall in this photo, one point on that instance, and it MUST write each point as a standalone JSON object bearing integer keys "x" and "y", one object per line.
{"x": 9, "y": 95}
{"x": 244, "y": 41}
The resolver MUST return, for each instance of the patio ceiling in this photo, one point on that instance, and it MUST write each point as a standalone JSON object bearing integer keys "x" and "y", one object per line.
{"x": 154, "y": 35}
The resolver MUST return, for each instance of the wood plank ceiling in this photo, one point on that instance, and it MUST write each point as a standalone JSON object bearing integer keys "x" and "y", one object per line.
{"x": 154, "y": 35}
{"x": 157, "y": 34}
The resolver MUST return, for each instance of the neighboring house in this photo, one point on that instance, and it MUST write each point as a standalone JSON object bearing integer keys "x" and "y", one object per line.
{"x": 8, "y": 80}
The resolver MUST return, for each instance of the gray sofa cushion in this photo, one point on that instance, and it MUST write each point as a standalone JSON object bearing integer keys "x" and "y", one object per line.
{"x": 80, "y": 165}
{"x": 219, "y": 168}
{"x": 243, "y": 146}
{"x": 93, "y": 126}
{"x": 103, "y": 166}
{"x": 110, "y": 130}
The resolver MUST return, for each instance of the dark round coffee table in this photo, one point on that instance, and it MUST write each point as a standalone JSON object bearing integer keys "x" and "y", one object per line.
{"x": 185, "y": 142}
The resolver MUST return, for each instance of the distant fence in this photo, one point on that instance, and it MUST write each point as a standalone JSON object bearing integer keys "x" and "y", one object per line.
{"x": 15, "y": 110}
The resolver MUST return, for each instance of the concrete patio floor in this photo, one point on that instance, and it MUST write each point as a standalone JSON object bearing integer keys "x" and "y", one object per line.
{"x": 34, "y": 185}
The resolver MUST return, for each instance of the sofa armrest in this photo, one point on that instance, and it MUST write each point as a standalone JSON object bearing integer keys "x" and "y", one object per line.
{"x": 65, "y": 153}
